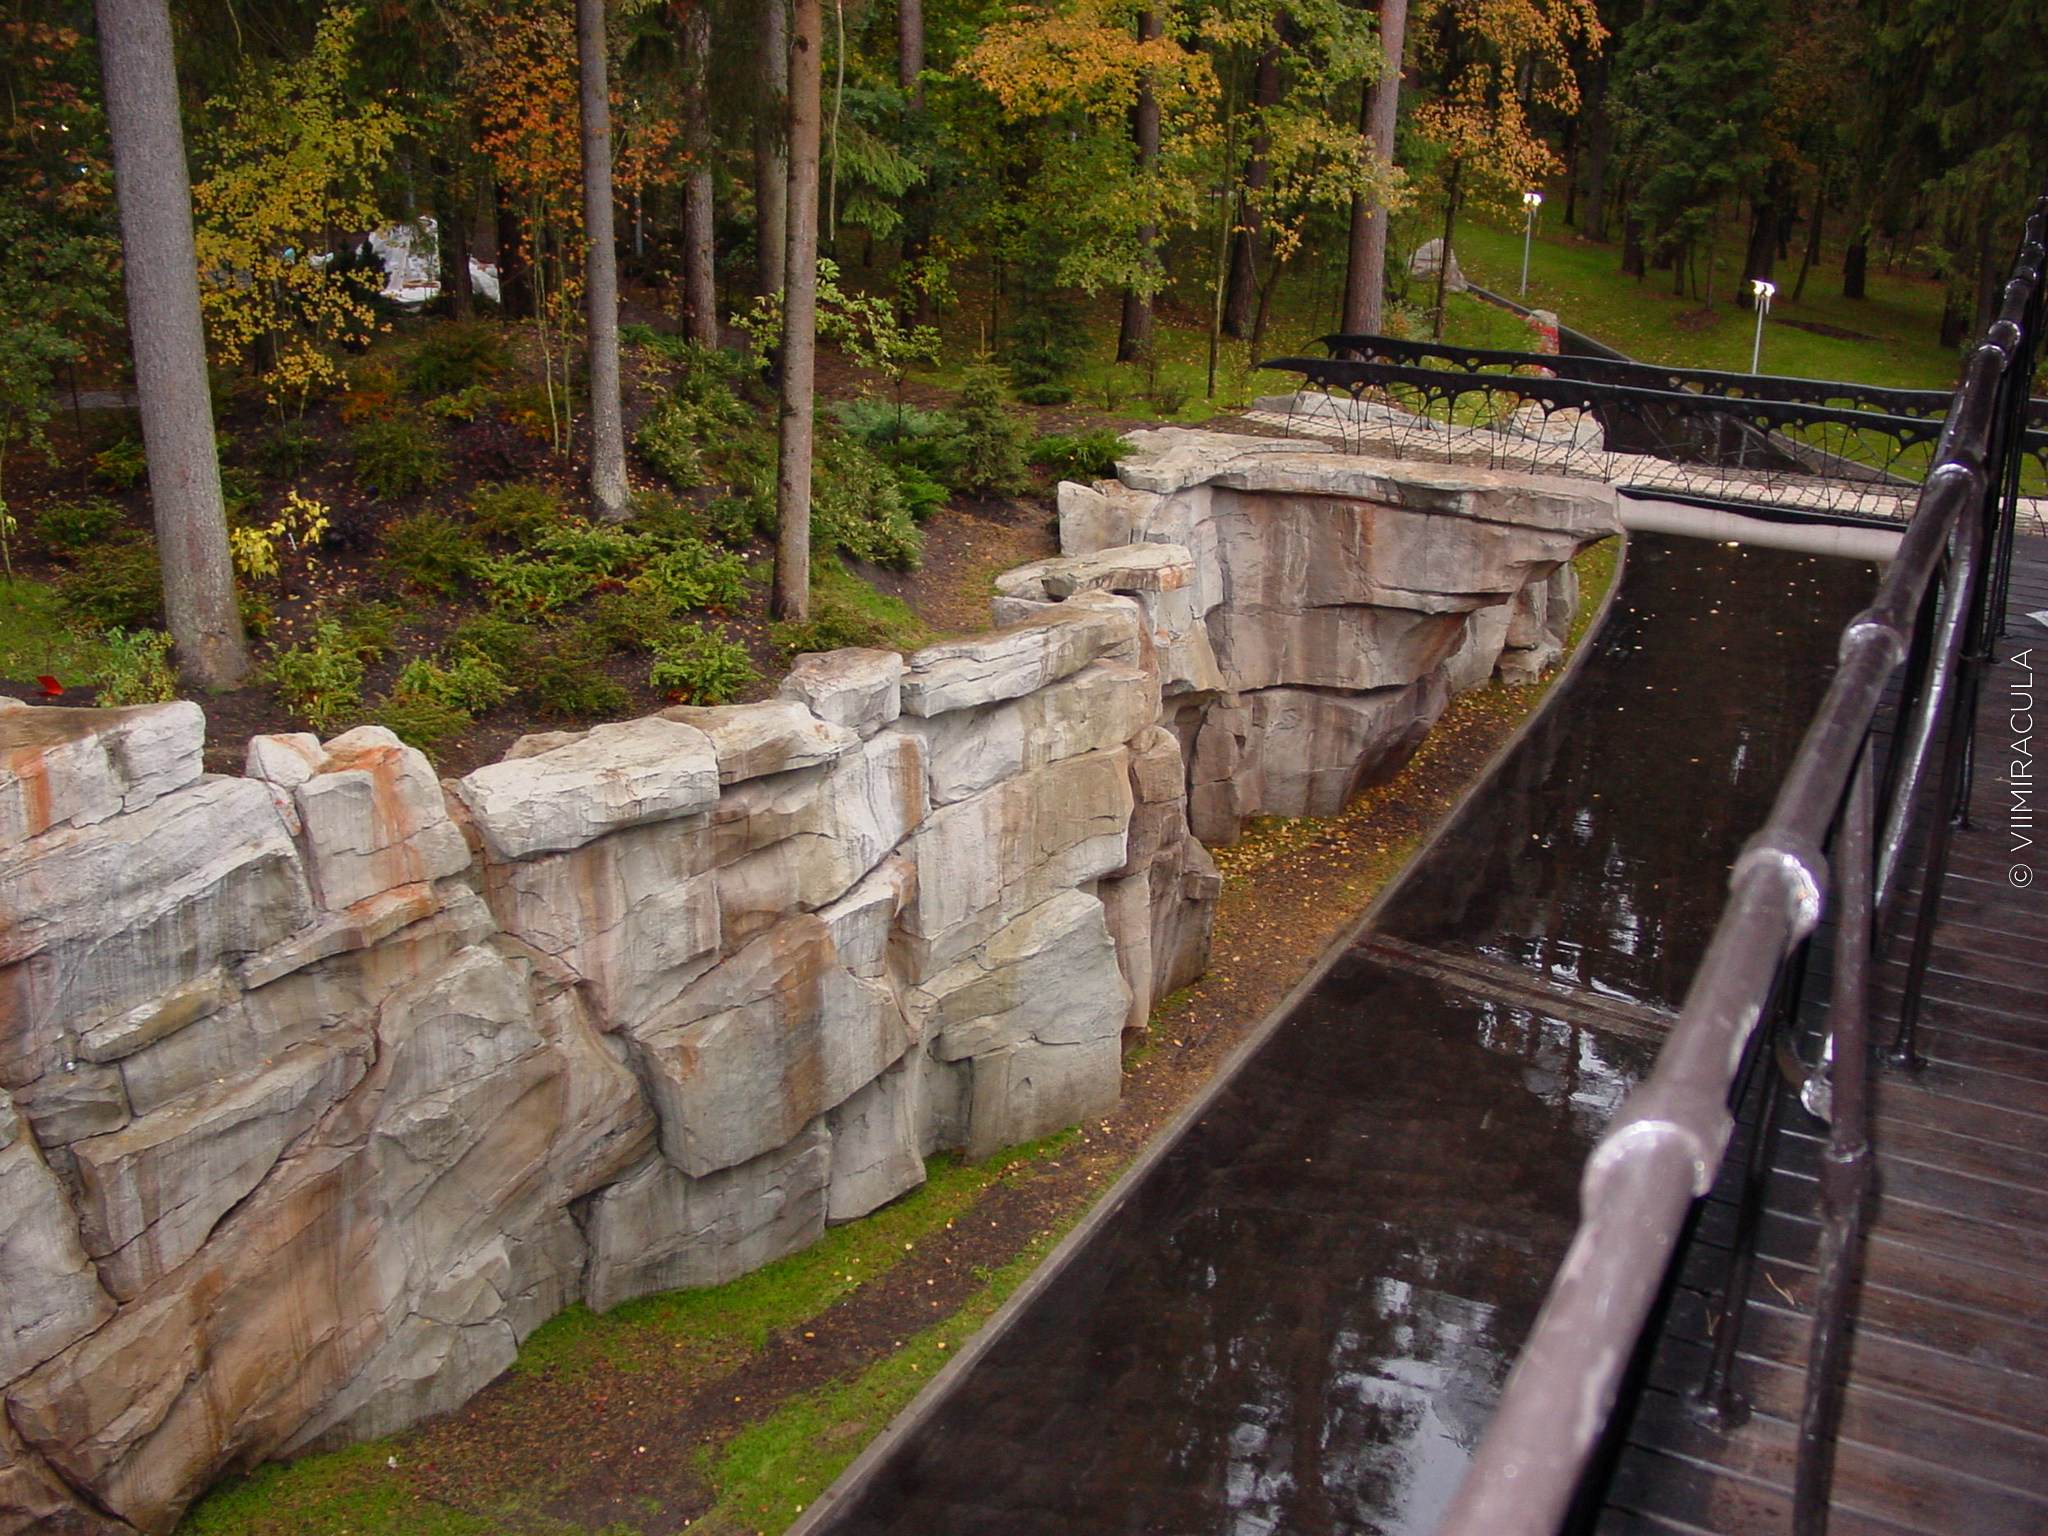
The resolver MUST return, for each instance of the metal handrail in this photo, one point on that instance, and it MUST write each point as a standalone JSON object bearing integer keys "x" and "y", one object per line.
{"x": 1663, "y": 1149}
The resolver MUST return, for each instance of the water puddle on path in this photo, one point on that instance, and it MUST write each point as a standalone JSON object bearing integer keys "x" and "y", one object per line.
{"x": 1302, "y": 1314}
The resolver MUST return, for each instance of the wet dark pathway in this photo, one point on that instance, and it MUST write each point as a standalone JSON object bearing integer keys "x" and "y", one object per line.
{"x": 1299, "y": 1318}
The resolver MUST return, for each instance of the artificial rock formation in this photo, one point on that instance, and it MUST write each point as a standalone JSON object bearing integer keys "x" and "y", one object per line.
{"x": 322, "y": 1086}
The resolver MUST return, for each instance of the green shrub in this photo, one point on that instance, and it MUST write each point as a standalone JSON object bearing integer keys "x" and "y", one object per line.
{"x": 739, "y": 520}
{"x": 533, "y": 586}
{"x": 857, "y": 507}
{"x": 137, "y": 668}
{"x": 519, "y": 511}
{"x": 601, "y": 549}
{"x": 239, "y": 491}
{"x": 846, "y": 611}
{"x": 567, "y": 680}
{"x": 507, "y": 644}
{"x": 397, "y": 457}
{"x": 72, "y": 526}
{"x": 691, "y": 574}
{"x": 701, "y": 666}
{"x": 121, "y": 585}
{"x": 991, "y": 439}
{"x": 922, "y": 495}
{"x": 1045, "y": 341}
{"x": 289, "y": 452}
{"x": 1080, "y": 456}
{"x": 636, "y": 619}
{"x": 433, "y": 553}
{"x": 120, "y": 464}
{"x": 1045, "y": 394}
{"x": 321, "y": 680}
{"x": 456, "y": 356}
{"x": 470, "y": 681}
{"x": 907, "y": 438}
{"x": 372, "y": 628}
{"x": 667, "y": 440}
{"x": 462, "y": 404}
{"x": 419, "y": 720}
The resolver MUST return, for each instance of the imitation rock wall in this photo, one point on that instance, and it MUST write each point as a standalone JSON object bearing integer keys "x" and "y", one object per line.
{"x": 322, "y": 1086}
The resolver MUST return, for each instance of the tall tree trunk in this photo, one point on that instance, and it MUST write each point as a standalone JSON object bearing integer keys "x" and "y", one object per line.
{"x": 700, "y": 276}
{"x": 1443, "y": 251}
{"x": 1597, "y": 134}
{"x": 1813, "y": 230}
{"x": 1757, "y": 263}
{"x": 1365, "y": 275}
{"x": 455, "y": 265}
{"x": 792, "y": 596}
{"x": 1241, "y": 299}
{"x": 1856, "y": 263}
{"x": 917, "y": 201}
{"x": 515, "y": 262}
{"x": 601, "y": 269}
{"x": 162, "y": 278}
{"x": 1634, "y": 258}
{"x": 1134, "y": 333}
{"x": 771, "y": 164}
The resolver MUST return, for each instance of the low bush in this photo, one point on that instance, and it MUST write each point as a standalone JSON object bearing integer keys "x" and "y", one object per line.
{"x": 857, "y": 506}
{"x": 69, "y": 527}
{"x": 433, "y": 553}
{"x": 520, "y": 512}
{"x": 846, "y": 611}
{"x": 503, "y": 641}
{"x": 1045, "y": 394}
{"x": 468, "y": 680}
{"x": 320, "y": 680}
{"x": 136, "y": 669}
{"x": 419, "y": 721}
{"x": 289, "y": 452}
{"x": 599, "y": 549}
{"x": 529, "y": 586}
{"x": 372, "y": 628}
{"x": 739, "y": 520}
{"x": 373, "y": 392}
{"x": 120, "y": 464}
{"x": 691, "y": 574}
{"x": 566, "y": 680}
{"x": 397, "y": 457}
{"x": 635, "y": 619}
{"x": 697, "y": 665}
{"x": 1079, "y": 456}
{"x": 462, "y": 404}
{"x": 456, "y": 355}
{"x": 121, "y": 585}
{"x": 667, "y": 440}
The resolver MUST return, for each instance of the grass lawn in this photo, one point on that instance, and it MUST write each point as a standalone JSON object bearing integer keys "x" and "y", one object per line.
{"x": 1584, "y": 284}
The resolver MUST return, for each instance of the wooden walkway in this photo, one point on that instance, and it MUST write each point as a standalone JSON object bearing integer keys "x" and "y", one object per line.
{"x": 1946, "y": 1426}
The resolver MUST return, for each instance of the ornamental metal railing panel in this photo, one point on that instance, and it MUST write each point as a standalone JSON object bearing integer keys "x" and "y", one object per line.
{"x": 1821, "y": 446}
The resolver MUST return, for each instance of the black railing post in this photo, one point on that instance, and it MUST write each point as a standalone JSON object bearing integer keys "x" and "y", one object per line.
{"x": 1845, "y": 1169}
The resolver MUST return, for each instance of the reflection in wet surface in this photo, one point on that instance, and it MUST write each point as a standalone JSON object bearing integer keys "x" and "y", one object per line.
{"x": 1303, "y": 1314}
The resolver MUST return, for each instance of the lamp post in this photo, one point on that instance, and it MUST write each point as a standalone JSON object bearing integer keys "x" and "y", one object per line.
{"x": 1765, "y": 292}
{"x": 1531, "y": 201}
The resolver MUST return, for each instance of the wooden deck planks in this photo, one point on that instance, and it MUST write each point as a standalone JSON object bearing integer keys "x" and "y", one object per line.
{"x": 1945, "y": 1428}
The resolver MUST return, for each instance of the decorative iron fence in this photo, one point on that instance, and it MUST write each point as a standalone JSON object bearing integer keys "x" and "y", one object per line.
{"x": 1847, "y": 823}
{"x": 1826, "y": 447}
